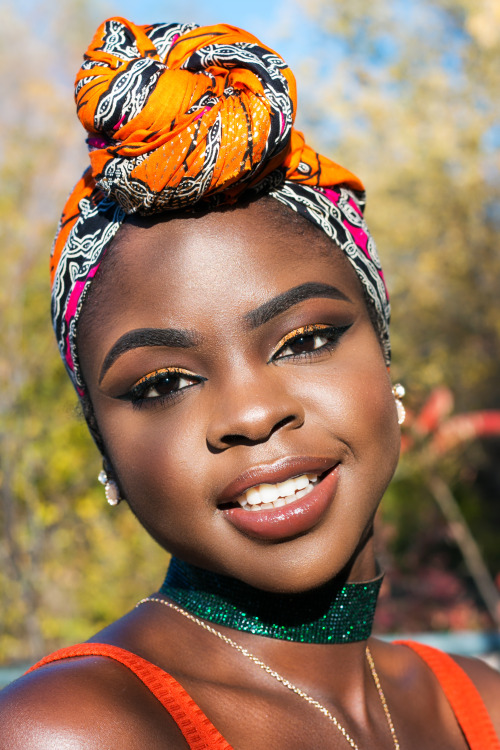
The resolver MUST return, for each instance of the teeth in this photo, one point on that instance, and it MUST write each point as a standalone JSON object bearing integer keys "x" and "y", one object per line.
{"x": 301, "y": 482}
{"x": 287, "y": 488}
{"x": 267, "y": 496}
{"x": 267, "y": 493}
{"x": 252, "y": 496}
{"x": 303, "y": 492}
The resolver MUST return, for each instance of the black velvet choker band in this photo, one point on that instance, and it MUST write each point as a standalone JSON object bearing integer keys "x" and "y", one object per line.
{"x": 333, "y": 613}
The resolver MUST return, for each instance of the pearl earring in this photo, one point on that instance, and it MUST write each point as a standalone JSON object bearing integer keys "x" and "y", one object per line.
{"x": 398, "y": 393}
{"x": 110, "y": 488}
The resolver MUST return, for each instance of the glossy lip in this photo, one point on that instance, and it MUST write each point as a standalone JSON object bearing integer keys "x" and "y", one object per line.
{"x": 279, "y": 471}
{"x": 288, "y": 520}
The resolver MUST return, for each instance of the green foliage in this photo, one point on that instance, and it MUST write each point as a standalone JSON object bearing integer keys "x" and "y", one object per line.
{"x": 411, "y": 107}
{"x": 68, "y": 564}
{"x": 414, "y": 111}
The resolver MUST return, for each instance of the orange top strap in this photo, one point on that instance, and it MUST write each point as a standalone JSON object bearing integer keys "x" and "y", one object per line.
{"x": 200, "y": 733}
{"x": 463, "y": 696}
{"x": 198, "y": 730}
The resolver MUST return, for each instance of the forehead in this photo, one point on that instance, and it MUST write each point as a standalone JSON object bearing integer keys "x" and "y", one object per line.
{"x": 225, "y": 248}
{"x": 188, "y": 271}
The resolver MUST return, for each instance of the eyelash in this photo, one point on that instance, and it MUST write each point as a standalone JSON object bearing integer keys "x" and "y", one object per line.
{"x": 137, "y": 394}
{"x": 332, "y": 335}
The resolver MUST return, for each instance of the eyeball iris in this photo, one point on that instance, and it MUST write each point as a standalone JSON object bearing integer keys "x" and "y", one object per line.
{"x": 166, "y": 385}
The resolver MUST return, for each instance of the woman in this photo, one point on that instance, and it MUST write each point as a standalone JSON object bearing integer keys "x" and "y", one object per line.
{"x": 220, "y": 308}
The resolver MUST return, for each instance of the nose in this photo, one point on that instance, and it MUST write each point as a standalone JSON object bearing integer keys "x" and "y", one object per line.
{"x": 250, "y": 410}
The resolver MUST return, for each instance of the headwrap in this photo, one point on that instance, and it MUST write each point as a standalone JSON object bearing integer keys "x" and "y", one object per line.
{"x": 181, "y": 117}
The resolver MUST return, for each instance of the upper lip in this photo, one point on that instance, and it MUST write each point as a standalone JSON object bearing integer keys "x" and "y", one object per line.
{"x": 278, "y": 471}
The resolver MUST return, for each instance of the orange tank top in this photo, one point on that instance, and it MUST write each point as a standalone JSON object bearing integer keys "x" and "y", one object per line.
{"x": 200, "y": 733}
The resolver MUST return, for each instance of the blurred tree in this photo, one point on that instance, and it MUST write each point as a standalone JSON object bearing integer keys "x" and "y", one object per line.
{"x": 61, "y": 551}
{"x": 412, "y": 107}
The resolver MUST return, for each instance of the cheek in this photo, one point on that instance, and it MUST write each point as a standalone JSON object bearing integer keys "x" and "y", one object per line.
{"x": 160, "y": 462}
{"x": 353, "y": 401}
{"x": 373, "y": 423}
{"x": 168, "y": 475}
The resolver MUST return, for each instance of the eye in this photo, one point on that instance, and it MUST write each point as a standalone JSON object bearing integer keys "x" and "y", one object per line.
{"x": 161, "y": 385}
{"x": 308, "y": 340}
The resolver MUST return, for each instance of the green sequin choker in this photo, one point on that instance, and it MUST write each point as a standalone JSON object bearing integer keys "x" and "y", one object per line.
{"x": 332, "y": 613}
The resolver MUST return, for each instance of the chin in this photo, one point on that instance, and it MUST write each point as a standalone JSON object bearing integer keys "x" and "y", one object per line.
{"x": 296, "y": 566}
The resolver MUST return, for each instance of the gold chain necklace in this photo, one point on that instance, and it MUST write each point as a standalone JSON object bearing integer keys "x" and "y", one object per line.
{"x": 286, "y": 683}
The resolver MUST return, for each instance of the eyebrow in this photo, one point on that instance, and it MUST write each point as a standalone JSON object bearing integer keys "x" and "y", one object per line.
{"x": 179, "y": 338}
{"x": 284, "y": 301}
{"x": 173, "y": 337}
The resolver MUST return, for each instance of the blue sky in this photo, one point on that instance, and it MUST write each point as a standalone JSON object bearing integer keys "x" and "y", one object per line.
{"x": 282, "y": 25}
{"x": 278, "y": 23}
{"x": 227, "y": 11}
{"x": 259, "y": 16}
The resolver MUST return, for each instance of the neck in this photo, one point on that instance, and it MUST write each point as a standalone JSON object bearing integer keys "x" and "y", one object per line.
{"x": 338, "y": 612}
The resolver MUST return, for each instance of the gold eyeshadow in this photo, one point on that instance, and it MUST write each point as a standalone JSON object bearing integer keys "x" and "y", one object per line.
{"x": 302, "y": 331}
{"x": 163, "y": 371}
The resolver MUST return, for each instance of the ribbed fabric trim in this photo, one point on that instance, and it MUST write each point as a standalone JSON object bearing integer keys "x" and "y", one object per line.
{"x": 198, "y": 730}
{"x": 463, "y": 696}
{"x": 200, "y": 733}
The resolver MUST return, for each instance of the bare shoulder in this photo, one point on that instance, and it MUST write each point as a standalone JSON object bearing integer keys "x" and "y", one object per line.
{"x": 89, "y": 703}
{"x": 485, "y": 678}
{"x": 404, "y": 669}
{"x": 487, "y": 681}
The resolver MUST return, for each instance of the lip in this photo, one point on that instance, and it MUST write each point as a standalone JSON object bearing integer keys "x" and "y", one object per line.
{"x": 279, "y": 471}
{"x": 288, "y": 520}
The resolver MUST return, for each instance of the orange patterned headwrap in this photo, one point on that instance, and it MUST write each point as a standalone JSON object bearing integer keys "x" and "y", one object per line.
{"x": 178, "y": 115}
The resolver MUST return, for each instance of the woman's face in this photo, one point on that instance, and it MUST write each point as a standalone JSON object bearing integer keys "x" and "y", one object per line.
{"x": 232, "y": 351}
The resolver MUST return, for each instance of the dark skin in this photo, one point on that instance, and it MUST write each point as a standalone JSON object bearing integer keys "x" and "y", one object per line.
{"x": 245, "y": 397}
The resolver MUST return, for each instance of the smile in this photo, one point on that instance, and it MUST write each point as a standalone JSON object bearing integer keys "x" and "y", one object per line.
{"x": 268, "y": 496}
{"x": 283, "y": 509}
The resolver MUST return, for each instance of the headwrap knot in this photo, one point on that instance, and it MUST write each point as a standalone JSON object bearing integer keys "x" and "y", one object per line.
{"x": 179, "y": 116}
{"x": 175, "y": 113}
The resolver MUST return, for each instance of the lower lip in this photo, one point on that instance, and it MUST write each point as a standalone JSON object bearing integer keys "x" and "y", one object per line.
{"x": 289, "y": 520}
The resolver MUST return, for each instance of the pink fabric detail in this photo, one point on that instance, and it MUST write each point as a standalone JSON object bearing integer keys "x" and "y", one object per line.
{"x": 118, "y": 124}
{"x": 72, "y": 307}
{"x": 282, "y": 118}
{"x": 360, "y": 237}
{"x": 75, "y": 295}
{"x": 358, "y": 234}
{"x": 332, "y": 195}
{"x": 203, "y": 111}
{"x": 96, "y": 143}
{"x": 355, "y": 206}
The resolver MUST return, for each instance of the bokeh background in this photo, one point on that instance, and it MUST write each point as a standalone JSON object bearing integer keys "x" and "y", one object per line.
{"x": 405, "y": 94}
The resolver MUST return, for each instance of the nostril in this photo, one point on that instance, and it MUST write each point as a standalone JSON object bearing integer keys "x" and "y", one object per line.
{"x": 283, "y": 423}
{"x": 246, "y": 417}
{"x": 239, "y": 440}
{"x": 230, "y": 440}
